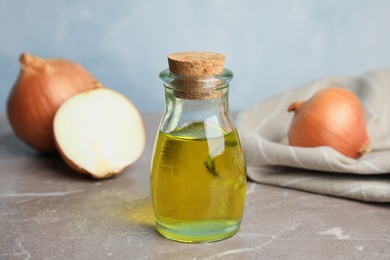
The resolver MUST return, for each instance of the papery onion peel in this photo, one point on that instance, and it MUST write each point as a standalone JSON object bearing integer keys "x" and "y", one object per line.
{"x": 332, "y": 117}
{"x": 41, "y": 87}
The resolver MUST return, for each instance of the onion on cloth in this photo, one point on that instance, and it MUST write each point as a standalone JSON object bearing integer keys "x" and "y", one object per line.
{"x": 332, "y": 117}
{"x": 272, "y": 160}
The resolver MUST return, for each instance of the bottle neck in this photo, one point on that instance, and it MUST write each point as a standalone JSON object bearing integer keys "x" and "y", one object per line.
{"x": 196, "y": 100}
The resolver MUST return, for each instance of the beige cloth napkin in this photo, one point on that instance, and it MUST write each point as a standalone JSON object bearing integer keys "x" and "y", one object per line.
{"x": 270, "y": 160}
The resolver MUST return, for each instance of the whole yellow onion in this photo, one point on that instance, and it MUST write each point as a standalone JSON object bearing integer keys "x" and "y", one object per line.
{"x": 332, "y": 117}
{"x": 41, "y": 87}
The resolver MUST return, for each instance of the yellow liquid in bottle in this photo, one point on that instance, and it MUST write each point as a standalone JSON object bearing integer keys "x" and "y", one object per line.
{"x": 198, "y": 184}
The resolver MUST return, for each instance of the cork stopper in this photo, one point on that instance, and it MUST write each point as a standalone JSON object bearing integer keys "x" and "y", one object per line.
{"x": 196, "y": 64}
{"x": 196, "y": 71}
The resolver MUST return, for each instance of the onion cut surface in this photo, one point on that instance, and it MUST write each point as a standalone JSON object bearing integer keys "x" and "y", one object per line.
{"x": 99, "y": 132}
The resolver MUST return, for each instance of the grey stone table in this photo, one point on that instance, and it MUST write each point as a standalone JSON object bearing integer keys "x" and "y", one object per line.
{"x": 49, "y": 212}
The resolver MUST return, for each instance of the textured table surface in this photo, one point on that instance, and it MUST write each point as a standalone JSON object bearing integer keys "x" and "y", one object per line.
{"x": 49, "y": 212}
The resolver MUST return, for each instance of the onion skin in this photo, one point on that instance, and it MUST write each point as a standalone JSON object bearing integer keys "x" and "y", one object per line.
{"x": 41, "y": 87}
{"x": 332, "y": 117}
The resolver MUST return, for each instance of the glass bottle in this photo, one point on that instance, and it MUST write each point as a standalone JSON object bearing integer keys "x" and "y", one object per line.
{"x": 198, "y": 172}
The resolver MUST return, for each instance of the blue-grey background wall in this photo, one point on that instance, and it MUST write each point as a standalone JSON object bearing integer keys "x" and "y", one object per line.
{"x": 271, "y": 46}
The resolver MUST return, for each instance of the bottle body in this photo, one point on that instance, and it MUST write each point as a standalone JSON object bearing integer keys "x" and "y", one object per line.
{"x": 198, "y": 172}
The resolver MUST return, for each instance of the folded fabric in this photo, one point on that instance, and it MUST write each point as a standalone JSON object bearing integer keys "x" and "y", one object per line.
{"x": 271, "y": 160}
